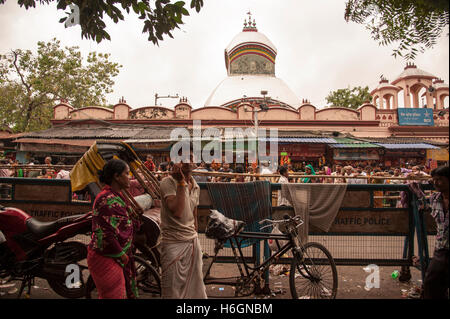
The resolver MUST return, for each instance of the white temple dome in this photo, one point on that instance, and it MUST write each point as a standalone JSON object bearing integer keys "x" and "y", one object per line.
{"x": 250, "y": 63}
{"x": 250, "y": 37}
{"x": 236, "y": 87}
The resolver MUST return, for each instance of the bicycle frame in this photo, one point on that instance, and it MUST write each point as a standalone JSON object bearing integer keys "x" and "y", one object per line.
{"x": 250, "y": 272}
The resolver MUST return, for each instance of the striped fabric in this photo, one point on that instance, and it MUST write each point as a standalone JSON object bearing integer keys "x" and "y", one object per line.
{"x": 248, "y": 202}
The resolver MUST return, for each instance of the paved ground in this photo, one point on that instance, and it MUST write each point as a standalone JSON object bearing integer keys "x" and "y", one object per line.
{"x": 351, "y": 283}
{"x": 351, "y": 279}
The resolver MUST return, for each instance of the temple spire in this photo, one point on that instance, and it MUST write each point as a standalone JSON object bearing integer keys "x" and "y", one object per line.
{"x": 249, "y": 25}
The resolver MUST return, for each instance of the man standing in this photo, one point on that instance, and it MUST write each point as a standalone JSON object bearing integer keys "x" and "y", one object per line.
{"x": 397, "y": 174}
{"x": 48, "y": 161}
{"x": 50, "y": 170}
{"x": 284, "y": 179}
{"x": 354, "y": 172}
{"x": 225, "y": 169}
{"x": 266, "y": 171}
{"x": 202, "y": 178}
{"x": 338, "y": 171}
{"x": 436, "y": 282}
{"x": 181, "y": 253}
{"x": 62, "y": 174}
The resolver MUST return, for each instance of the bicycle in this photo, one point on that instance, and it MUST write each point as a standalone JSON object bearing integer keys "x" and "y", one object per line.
{"x": 313, "y": 273}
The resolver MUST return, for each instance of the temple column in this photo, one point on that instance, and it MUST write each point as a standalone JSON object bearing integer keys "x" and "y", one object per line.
{"x": 415, "y": 99}
{"x": 388, "y": 102}
{"x": 407, "y": 97}
{"x": 395, "y": 101}
{"x": 430, "y": 102}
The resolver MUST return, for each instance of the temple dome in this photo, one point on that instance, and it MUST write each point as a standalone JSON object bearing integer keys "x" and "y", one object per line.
{"x": 250, "y": 63}
{"x": 440, "y": 84}
{"x": 237, "y": 87}
{"x": 250, "y": 37}
{"x": 412, "y": 71}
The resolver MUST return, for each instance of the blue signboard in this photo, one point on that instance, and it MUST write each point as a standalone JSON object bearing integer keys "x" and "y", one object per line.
{"x": 414, "y": 116}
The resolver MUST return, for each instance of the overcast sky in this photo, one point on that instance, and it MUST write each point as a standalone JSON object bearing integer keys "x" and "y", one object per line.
{"x": 317, "y": 50}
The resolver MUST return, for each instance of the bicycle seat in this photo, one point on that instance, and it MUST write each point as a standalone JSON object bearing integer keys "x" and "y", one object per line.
{"x": 221, "y": 227}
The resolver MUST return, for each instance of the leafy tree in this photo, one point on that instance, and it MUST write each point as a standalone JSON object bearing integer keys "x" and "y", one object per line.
{"x": 31, "y": 84}
{"x": 160, "y": 17}
{"x": 351, "y": 98}
{"x": 415, "y": 24}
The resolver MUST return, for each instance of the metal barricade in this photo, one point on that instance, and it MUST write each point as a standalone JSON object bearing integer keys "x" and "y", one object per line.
{"x": 365, "y": 230}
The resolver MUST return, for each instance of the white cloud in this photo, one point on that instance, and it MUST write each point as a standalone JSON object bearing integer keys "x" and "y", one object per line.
{"x": 317, "y": 50}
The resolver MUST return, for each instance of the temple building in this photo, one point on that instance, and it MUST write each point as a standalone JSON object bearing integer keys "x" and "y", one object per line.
{"x": 250, "y": 63}
{"x": 405, "y": 122}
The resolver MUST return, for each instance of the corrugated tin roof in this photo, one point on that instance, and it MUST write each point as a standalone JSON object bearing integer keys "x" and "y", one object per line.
{"x": 153, "y": 133}
{"x": 409, "y": 146}
{"x": 83, "y": 142}
{"x": 103, "y": 132}
{"x": 346, "y": 142}
{"x": 318, "y": 134}
{"x": 324, "y": 140}
{"x": 436, "y": 143}
{"x": 394, "y": 140}
{"x": 354, "y": 145}
{"x": 6, "y": 135}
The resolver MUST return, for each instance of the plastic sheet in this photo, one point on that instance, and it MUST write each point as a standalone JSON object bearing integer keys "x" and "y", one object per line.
{"x": 145, "y": 201}
{"x": 221, "y": 227}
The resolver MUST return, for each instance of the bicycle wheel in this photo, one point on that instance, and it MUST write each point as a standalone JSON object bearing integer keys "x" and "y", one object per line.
{"x": 314, "y": 276}
{"x": 147, "y": 278}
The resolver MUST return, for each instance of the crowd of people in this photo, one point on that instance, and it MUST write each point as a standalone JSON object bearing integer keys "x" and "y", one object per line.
{"x": 351, "y": 174}
{"x": 356, "y": 173}
{"x": 12, "y": 168}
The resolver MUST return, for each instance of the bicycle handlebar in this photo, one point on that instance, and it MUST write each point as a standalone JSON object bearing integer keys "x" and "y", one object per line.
{"x": 286, "y": 219}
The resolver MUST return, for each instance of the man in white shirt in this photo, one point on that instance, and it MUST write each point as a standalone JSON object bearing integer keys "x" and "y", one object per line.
{"x": 284, "y": 179}
{"x": 62, "y": 174}
{"x": 356, "y": 172}
{"x": 265, "y": 168}
{"x": 338, "y": 172}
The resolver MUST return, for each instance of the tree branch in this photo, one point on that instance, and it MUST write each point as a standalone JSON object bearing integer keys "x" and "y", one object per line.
{"x": 27, "y": 86}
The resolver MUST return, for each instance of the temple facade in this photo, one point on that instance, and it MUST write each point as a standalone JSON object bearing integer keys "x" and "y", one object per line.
{"x": 251, "y": 82}
{"x": 411, "y": 107}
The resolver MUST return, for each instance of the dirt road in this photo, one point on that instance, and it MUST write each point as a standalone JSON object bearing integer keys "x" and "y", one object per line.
{"x": 351, "y": 283}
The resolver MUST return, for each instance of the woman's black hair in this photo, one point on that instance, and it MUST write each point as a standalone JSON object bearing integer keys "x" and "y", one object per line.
{"x": 282, "y": 170}
{"x": 239, "y": 169}
{"x": 163, "y": 166}
{"x": 113, "y": 166}
{"x": 440, "y": 171}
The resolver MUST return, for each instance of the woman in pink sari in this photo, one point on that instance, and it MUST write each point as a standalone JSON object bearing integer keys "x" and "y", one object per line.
{"x": 110, "y": 257}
